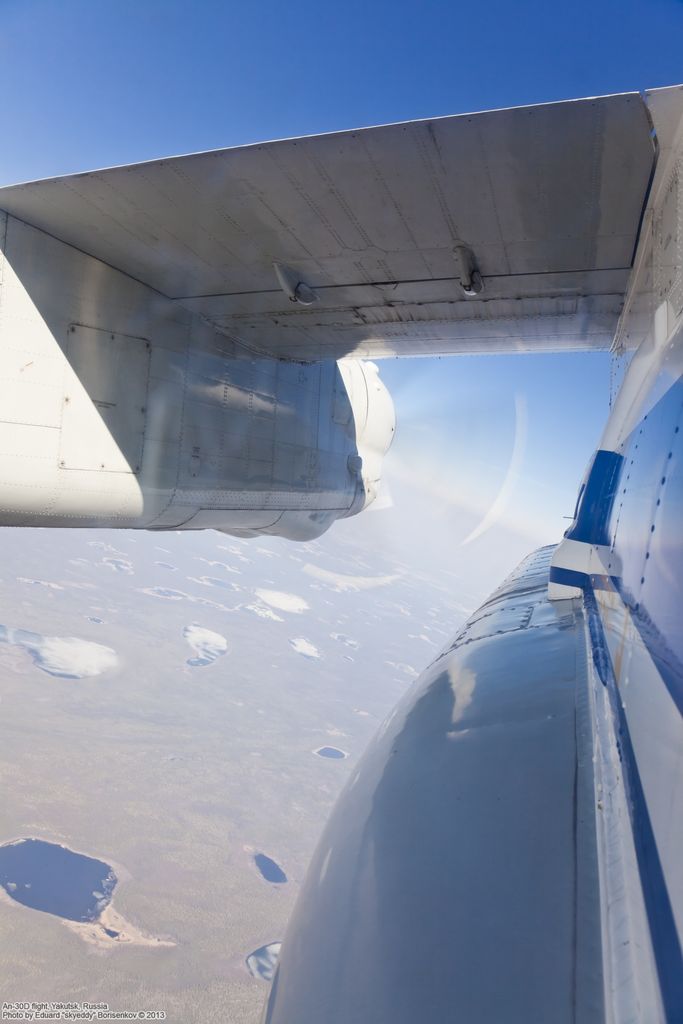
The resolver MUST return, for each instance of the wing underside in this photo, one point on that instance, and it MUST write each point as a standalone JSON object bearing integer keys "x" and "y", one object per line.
{"x": 545, "y": 202}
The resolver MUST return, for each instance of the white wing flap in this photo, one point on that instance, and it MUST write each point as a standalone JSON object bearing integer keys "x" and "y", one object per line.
{"x": 548, "y": 199}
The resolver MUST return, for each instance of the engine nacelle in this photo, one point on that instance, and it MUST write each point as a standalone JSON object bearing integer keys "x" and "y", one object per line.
{"x": 120, "y": 408}
{"x": 350, "y": 420}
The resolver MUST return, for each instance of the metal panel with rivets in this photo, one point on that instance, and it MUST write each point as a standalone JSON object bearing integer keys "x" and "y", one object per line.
{"x": 545, "y": 201}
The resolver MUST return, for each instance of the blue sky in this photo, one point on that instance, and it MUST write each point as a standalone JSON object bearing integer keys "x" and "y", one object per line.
{"x": 89, "y": 83}
{"x": 94, "y": 82}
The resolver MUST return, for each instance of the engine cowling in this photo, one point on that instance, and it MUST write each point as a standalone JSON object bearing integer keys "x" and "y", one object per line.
{"x": 363, "y": 422}
{"x": 118, "y": 408}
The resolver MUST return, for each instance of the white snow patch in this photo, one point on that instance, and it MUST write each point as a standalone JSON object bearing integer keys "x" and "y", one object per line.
{"x": 206, "y": 644}
{"x": 304, "y": 647}
{"x": 348, "y": 641}
{"x": 263, "y": 612}
{"x": 68, "y": 657}
{"x": 71, "y": 657}
{"x": 283, "y": 602}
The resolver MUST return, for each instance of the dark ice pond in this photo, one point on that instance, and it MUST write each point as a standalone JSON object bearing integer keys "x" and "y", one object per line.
{"x": 271, "y": 871}
{"x": 51, "y": 878}
{"x": 330, "y": 752}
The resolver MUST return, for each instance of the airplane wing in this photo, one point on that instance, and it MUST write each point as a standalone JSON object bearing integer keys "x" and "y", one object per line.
{"x": 381, "y": 233}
